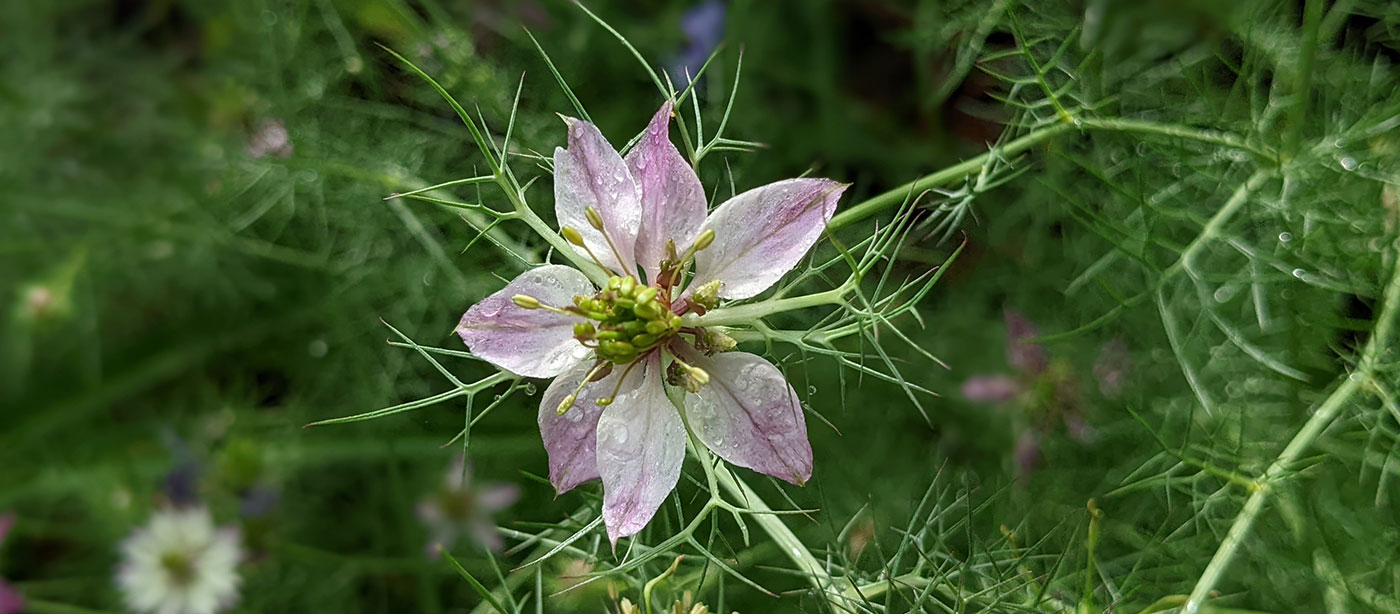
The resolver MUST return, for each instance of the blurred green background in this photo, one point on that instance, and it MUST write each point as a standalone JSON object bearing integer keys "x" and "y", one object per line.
{"x": 185, "y": 285}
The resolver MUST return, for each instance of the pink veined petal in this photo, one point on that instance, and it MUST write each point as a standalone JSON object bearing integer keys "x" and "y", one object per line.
{"x": 750, "y": 416}
{"x": 763, "y": 233}
{"x": 673, "y": 201}
{"x": 590, "y": 173}
{"x": 991, "y": 388}
{"x": 1021, "y": 353}
{"x": 571, "y": 440}
{"x": 529, "y": 342}
{"x": 641, "y": 443}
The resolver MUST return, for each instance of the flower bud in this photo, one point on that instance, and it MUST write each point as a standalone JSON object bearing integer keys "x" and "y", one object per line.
{"x": 647, "y": 295}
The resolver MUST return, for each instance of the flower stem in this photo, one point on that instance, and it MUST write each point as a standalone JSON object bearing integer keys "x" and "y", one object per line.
{"x": 971, "y": 166}
{"x": 1353, "y": 383}
{"x": 785, "y": 539}
{"x": 744, "y": 314}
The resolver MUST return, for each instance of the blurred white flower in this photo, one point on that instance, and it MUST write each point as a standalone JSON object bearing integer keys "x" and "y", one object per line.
{"x": 180, "y": 563}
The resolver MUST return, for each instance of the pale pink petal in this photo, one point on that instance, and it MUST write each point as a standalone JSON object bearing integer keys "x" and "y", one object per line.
{"x": 749, "y": 415}
{"x": 485, "y": 533}
{"x": 1027, "y": 452}
{"x": 571, "y": 439}
{"x": 496, "y": 497}
{"x": 641, "y": 443}
{"x": 11, "y": 602}
{"x": 529, "y": 342}
{"x": 1021, "y": 352}
{"x": 673, "y": 201}
{"x": 459, "y": 474}
{"x": 590, "y": 173}
{"x": 991, "y": 388}
{"x": 763, "y": 233}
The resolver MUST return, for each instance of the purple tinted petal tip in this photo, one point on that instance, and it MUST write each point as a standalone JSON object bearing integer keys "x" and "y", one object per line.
{"x": 1021, "y": 352}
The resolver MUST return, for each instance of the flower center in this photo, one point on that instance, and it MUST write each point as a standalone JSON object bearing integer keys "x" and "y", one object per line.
{"x": 179, "y": 565}
{"x": 626, "y": 320}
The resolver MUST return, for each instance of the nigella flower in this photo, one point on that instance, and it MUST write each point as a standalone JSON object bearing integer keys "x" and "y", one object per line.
{"x": 180, "y": 563}
{"x": 11, "y": 602}
{"x": 462, "y": 505}
{"x": 613, "y": 350}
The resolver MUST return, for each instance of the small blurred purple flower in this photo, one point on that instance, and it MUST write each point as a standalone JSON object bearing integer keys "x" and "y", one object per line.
{"x": 270, "y": 139}
{"x": 459, "y": 505}
{"x": 991, "y": 388}
{"x": 11, "y": 602}
{"x": 1045, "y": 390}
{"x": 181, "y": 484}
{"x": 703, "y": 26}
{"x": 1022, "y": 353}
{"x": 1112, "y": 368}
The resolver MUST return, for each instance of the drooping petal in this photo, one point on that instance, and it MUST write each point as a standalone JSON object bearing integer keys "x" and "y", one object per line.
{"x": 750, "y": 416}
{"x": 1021, "y": 352}
{"x": 529, "y": 342}
{"x": 764, "y": 232}
{"x": 641, "y": 443}
{"x": 673, "y": 201}
{"x": 991, "y": 388}
{"x": 590, "y": 173}
{"x": 571, "y": 440}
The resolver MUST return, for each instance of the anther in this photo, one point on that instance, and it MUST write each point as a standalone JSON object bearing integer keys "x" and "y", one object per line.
{"x": 594, "y": 219}
{"x": 572, "y": 235}
{"x": 526, "y": 302}
{"x": 704, "y": 240}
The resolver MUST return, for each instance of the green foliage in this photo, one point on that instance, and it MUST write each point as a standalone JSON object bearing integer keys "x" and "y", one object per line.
{"x": 1212, "y": 185}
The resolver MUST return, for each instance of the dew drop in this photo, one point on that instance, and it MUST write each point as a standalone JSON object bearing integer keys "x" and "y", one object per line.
{"x": 620, "y": 435}
{"x": 1348, "y": 162}
{"x": 1285, "y": 237}
{"x": 1300, "y": 273}
{"x": 812, "y": 390}
{"x": 1222, "y": 295}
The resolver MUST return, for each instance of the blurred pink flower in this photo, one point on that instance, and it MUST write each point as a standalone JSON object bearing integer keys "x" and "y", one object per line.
{"x": 1045, "y": 390}
{"x": 462, "y": 506}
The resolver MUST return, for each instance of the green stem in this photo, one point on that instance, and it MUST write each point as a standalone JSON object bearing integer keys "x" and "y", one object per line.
{"x": 785, "y": 539}
{"x": 744, "y": 314}
{"x": 971, "y": 166}
{"x": 1352, "y": 384}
